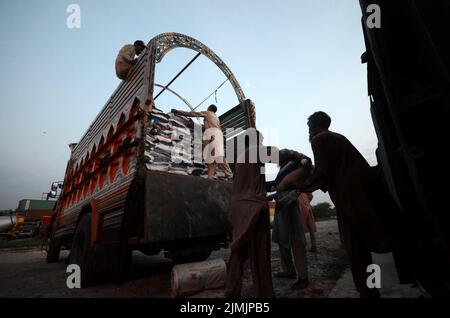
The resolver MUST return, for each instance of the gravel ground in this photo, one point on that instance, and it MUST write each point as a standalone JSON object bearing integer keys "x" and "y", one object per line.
{"x": 390, "y": 283}
{"x": 24, "y": 273}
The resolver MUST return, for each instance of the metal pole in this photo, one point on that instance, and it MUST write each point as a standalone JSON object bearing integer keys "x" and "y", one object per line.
{"x": 176, "y": 76}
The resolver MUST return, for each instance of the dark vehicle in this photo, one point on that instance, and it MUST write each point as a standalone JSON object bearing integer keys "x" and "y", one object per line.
{"x": 112, "y": 204}
{"x": 408, "y": 64}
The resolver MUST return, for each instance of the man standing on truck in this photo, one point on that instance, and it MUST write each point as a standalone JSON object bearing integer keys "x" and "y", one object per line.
{"x": 368, "y": 217}
{"x": 125, "y": 59}
{"x": 211, "y": 125}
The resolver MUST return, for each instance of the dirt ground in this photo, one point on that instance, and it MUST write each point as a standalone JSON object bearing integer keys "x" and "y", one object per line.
{"x": 24, "y": 273}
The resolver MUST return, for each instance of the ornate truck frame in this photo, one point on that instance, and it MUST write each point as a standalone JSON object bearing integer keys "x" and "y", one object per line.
{"x": 111, "y": 202}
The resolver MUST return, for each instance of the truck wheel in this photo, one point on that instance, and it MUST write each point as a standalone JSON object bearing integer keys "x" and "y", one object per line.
{"x": 197, "y": 256}
{"x": 81, "y": 251}
{"x": 53, "y": 249}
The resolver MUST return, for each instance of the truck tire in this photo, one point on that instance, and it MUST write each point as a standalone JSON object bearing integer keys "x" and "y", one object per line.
{"x": 81, "y": 251}
{"x": 53, "y": 247}
{"x": 53, "y": 250}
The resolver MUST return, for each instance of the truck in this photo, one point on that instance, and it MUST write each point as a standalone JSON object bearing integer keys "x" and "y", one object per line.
{"x": 111, "y": 204}
{"x": 11, "y": 225}
{"x": 408, "y": 70}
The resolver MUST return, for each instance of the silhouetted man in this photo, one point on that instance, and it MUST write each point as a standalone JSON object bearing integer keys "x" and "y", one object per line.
{"x": 288, "y": 230}
{"x": 250, "y": 225}
{"x": 125, "y": 59}
{"x": 367, "y": 214}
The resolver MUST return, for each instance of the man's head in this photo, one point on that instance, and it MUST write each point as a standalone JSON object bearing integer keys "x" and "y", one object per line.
{"x": 139, "y": 46}
{"x": 282, "y": 155}
{"x": 318, "y": 122}
{"x": 212, "y": 108}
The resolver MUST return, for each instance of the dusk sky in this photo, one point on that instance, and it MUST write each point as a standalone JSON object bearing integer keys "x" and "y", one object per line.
{"x": 291, "y": 58}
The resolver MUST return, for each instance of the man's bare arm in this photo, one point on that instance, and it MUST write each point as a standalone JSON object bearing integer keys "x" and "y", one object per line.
{"x": 297, "y": 181}
{"x": 188, "y": 114}
{"x": 287, "y": 155}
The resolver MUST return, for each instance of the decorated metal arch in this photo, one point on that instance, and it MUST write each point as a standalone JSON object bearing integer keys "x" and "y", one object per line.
{"x": 165, "y": 42}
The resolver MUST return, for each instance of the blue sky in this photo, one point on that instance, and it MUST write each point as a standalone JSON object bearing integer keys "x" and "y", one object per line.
{"x": 291, "y": 58}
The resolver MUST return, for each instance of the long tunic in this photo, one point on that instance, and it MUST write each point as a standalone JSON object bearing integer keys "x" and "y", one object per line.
{"x": 369, "y": 219}
{"x": 309, "y": 224}
{"x": 363, "y": 203}
{"x": 249, "y": 219}
{"x": 287, "y": 220}
{"x": 248, "y": 200}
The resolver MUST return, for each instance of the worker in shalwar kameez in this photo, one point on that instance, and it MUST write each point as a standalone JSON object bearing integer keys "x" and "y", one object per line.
{"x": 250, "y": 225}
{"x": 214, "y": 152}
{"x": 288, "y": 230}
{"x": 125, "y": 59}
{"x": 369, "y": 219}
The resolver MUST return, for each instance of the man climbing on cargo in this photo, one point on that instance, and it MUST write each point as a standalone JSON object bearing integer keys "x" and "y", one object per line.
{"x": 125, "y": 59}
{"x": 215, "y": 153}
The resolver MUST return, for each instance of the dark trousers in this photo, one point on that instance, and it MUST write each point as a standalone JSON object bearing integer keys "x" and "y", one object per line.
{"x": 258, "y": 251}
{"x": 360, "y": 255}
{"x": 298, "y": 246}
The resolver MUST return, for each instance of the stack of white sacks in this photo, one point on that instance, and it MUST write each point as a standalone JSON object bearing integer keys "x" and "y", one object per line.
{"x": 170, "y": 145}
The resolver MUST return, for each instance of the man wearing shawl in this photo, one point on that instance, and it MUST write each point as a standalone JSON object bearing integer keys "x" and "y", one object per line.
{"x": 368, "y": 217}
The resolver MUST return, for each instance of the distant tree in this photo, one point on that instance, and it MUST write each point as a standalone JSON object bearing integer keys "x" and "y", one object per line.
{"x": 323, "y": 210}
